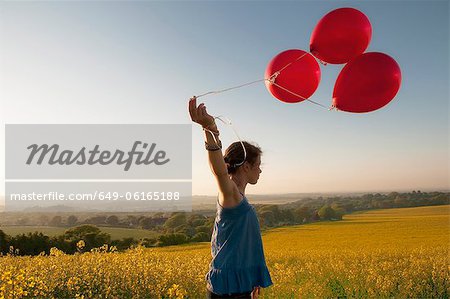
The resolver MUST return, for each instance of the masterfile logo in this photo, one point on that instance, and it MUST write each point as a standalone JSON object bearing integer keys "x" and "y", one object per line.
{"x": 98, "y": 151}
{"x": 91, "y": 157}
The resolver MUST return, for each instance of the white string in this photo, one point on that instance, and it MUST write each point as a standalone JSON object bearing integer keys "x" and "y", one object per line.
{"x": 231, "y": 88}
{"x": 271, "y": 80}
{"x": 228, "y": 122}
{"x": 297, "y": 95}
{"x": 300, "y": 57}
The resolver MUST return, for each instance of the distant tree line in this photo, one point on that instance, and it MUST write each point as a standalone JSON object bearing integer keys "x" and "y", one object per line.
{"x": 180, "y": 227}
{"x": 333, "y": 208}
{"x": 177, "y": 229}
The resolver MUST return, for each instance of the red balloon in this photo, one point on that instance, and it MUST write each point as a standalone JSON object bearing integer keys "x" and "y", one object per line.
{"x": 341, "y": 35}
{"x": 367, "y": 83}
{"x": 299, "y": 76}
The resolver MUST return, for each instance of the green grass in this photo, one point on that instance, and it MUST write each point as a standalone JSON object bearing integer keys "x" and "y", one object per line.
{"x": 115, "y": 232}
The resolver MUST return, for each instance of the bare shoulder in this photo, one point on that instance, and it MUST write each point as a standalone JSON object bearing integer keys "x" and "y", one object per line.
{"x": 232, "y": 199}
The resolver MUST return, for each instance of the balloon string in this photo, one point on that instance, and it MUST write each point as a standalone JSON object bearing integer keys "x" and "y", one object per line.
{"x": 228, "y": 122}
{"x": 228, "y": 89}
{"x": 297, "y": 95}
{"x": 271, "y": 80}
{"x": 300, "y": 57}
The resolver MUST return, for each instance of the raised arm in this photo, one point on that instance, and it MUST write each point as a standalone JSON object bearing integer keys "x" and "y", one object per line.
{"x": 217, "y": 164}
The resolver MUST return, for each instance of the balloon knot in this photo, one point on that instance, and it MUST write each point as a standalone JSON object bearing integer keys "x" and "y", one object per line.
{"x": 333, "y": 107}
{"x": 273, "y": 77}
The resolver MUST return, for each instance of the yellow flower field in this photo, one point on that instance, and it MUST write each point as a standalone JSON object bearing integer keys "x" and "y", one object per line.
{"x": 395, "y": 253}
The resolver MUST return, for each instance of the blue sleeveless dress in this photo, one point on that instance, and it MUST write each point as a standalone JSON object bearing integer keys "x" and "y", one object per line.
{"x": 238, "y": 262}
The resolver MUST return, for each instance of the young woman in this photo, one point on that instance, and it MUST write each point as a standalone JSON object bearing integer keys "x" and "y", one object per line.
{"x": 238, "y": 268}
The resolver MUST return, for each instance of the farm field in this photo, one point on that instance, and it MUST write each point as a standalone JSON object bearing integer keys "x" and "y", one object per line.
{"x": 395, "y": 253}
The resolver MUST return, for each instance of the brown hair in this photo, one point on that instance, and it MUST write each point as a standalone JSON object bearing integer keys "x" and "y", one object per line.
{"x": 234, "y": 155}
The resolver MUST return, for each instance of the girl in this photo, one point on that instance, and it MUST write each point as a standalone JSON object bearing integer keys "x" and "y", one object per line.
{"x": 238, "y": 268}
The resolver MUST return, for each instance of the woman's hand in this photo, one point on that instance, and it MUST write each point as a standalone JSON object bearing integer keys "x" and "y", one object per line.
{"x": 255, "y": 292}
{"x": 199, "y": 114}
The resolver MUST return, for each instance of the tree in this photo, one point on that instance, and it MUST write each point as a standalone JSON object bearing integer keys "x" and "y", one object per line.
{"x": 196, "y": 220}
{"x": 399, "y": 201}
{"x": 301, "y": 214}
{"x": 326, "y": 213}
{"x": 348, "y": 207}
{"x": 31, "y": 243}
{"x": 112, "y": 220}
{"x": 56, "y": 221}
{"x": 393, "y": 195}
{"x": 272, "y": 208}
{"x": 315, "y": 216}
{"x": 287, "y": 216}
{"x": 124, "y": 243}
{"x": 100, "y": 219}
{"x": 185, "y": 229}
{"x": 4, "y": 242}
{"x": 43, "y": 220}
{"x": 22, "y": 221}
{"x": 175, "y": 220}
{"x": 172, "y": 239}
{"x": 72, "y": 220}
{"x": 338, "y": 211}
{"x": 201, "y": 237}
{"x": 267, "y": 218}
{"x": 149, "y": 242}
{"x": 207, "y": 229}
{"x": 91, "y": 235}
{"x": 145, "y": 222}
{"x": 132, "y": 220}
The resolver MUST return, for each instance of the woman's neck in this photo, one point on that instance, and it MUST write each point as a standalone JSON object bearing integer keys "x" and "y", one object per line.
{"x": 240, "y": 183}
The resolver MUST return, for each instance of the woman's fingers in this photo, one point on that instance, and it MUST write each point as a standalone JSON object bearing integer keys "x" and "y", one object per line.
{"x": 192, "y": 108}
{"x": 195, "y": 112}
{"x": 202, "y": 109}
{"x": 198, "y": 114}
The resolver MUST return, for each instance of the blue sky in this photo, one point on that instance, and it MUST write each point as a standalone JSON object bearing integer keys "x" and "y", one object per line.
{"x": 139, "y": 62}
